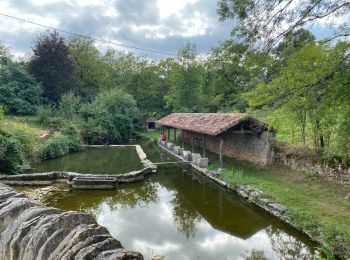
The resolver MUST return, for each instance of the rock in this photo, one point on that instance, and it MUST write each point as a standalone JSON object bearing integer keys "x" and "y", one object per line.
{"x": 158, "y": 257}
{"x": 278, "y": 207}
{"x": 187, "y": 155}
{"x": 196, "y": 158}
{"x": 203, "y": 163}
{"x": 180, "y": 151}
{"x": 169, "y": 146}
{"x": 30, "y": 230}
{"x": 175, "y": 149}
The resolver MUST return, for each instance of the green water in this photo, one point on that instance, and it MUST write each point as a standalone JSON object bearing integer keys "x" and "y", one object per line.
{"x": 101, "y": 160}
{"x": 181, "y": 215}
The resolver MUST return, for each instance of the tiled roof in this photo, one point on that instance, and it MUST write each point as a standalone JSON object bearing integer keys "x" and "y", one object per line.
{"x": 206, "y": 123}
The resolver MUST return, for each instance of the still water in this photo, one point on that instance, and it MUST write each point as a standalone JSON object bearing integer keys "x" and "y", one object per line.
{"x": 180, "y": 215}
{"x": 101, "y": 160}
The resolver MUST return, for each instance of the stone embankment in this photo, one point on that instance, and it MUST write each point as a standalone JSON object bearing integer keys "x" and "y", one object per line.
{"x": 82, "y": 180}
{"x": 29, "y": 230}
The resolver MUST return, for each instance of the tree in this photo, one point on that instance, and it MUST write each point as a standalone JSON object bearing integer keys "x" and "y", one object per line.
{"x": 89, "y": 67}
{"x": 271, "y": 21}
{"x": 310, "y": 93}
{"x": 69, "y": 105}
{"x": 52, "y": 66}
{"x": 20, "y": 93}
{"x": 5, "y": 55}
{"x": 230, "y": 77}
{"x": 187, "y": 78}
{"x": 109, "y": 118}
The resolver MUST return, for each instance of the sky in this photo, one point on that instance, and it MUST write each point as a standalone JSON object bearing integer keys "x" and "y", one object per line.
{"x": 161, "y": 25}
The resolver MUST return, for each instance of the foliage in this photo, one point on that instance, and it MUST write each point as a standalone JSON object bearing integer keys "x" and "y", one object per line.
{"x": 1, "y": 116}
{"x": 12, "y": 157}
{"x": 20, "y": 93}
{"x": 187, "y": 79}
{"x": 307, "y": 91}
{"x": 109, "y": 118}
{"x": 89, "y": 67}
{"x": 52, "y": 66}
{"x": 65, "y": 142}
{"x": 5, "y": 55}
{"x": 69, "y": 105}
{"x": 271, "y": 21}
{"x": 45, "y": 113}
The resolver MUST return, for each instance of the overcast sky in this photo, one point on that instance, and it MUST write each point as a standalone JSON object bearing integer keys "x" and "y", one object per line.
{"x": 162, "y": 25}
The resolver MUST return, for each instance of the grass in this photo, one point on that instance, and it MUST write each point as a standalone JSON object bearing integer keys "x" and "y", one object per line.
{"x": 315, "y": 204}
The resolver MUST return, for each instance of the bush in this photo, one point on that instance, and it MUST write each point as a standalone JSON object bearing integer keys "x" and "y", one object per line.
{"x": 20, "y": 93}
{"x": 45, "y": 113}
{"x": 66, "y": 142}
{"x": 69, "y": 105}
{"x": 108, "y": 129}
{"x": 109, "y": 118}
{"x": 12, "y": 157}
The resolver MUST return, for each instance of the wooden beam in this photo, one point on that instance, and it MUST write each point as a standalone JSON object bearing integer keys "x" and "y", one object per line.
{"x": 168, "y": 134}
{"x": 192, "y": 143}
{"x": 204, "y": 148}
{"x": 221, "y": 155}
{"x": 182, "y": 138}
{"x": 174, "y": 134}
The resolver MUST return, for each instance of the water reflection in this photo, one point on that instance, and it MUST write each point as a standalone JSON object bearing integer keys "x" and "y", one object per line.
{"x": 103, "y": 160}
{"x": 181, "y": 216}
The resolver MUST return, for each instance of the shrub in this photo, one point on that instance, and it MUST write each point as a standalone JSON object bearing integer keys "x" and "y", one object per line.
{"x": 45, "y": 113}
{"x": 12, "y": 157}
{"x": 20, "y": 93}
{"x": 66, "y": 142}
{"x": 69, "y": 105}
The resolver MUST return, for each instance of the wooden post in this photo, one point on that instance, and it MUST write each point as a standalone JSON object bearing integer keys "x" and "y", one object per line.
{"x": 204, "y": 148}
{"x": 174, "y": 134}
{"x": 168, "y": 134}
{"x": 182, "y": 138}
{"x": 192, "y": 143}
{"x": 221, "y": 156}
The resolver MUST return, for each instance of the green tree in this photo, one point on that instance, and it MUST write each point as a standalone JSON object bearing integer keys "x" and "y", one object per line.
{"x": 109, "y": 118}
{"x": 229, "y": 75}
{"x": 52, "y": 66}
{"x": 187, "y": 78}
{"x": 270, "y": 21}
{"x": 20, "y": 93}
{"x": 89, "y": 67}
{"x": 69, "y": 105}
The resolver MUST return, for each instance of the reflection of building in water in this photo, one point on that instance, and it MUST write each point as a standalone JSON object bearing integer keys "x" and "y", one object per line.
{"x": 224, "y": 211}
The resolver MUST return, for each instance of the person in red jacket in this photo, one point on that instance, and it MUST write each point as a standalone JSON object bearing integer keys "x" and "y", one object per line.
{"x": 163, "y": 136}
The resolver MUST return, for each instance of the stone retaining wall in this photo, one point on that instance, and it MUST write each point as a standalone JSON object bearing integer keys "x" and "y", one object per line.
{"x": 338, "y": 174}
{"x": 29, "y": 230}
{"x": 48, "y": 178}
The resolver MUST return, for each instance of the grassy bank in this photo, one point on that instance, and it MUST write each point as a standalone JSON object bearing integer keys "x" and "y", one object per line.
{"x": 316, "y": 205}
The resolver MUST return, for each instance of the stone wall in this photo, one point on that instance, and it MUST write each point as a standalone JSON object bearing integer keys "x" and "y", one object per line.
{"x": 242, "y": 146}
{"x": 336, "y": 173}
{"x": 29, "y": 230}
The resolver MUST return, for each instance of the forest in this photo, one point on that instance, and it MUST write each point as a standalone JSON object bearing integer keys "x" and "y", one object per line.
{"x": 295, "y": 83}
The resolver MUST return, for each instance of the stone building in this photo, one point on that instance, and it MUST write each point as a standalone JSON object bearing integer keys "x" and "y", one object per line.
{"x": 233, "y": 135}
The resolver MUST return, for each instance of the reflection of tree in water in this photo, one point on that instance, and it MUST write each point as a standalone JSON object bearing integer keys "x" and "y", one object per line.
{"x": 286, "y": 246}
{"x": 129, "y": 197}
{"x": 185, "y": 216}
{"x": 255, "y": 254}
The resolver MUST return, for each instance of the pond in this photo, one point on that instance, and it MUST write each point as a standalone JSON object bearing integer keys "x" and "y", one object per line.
{"x": 181, "y": 215}
{"x": 96, "y": 160}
